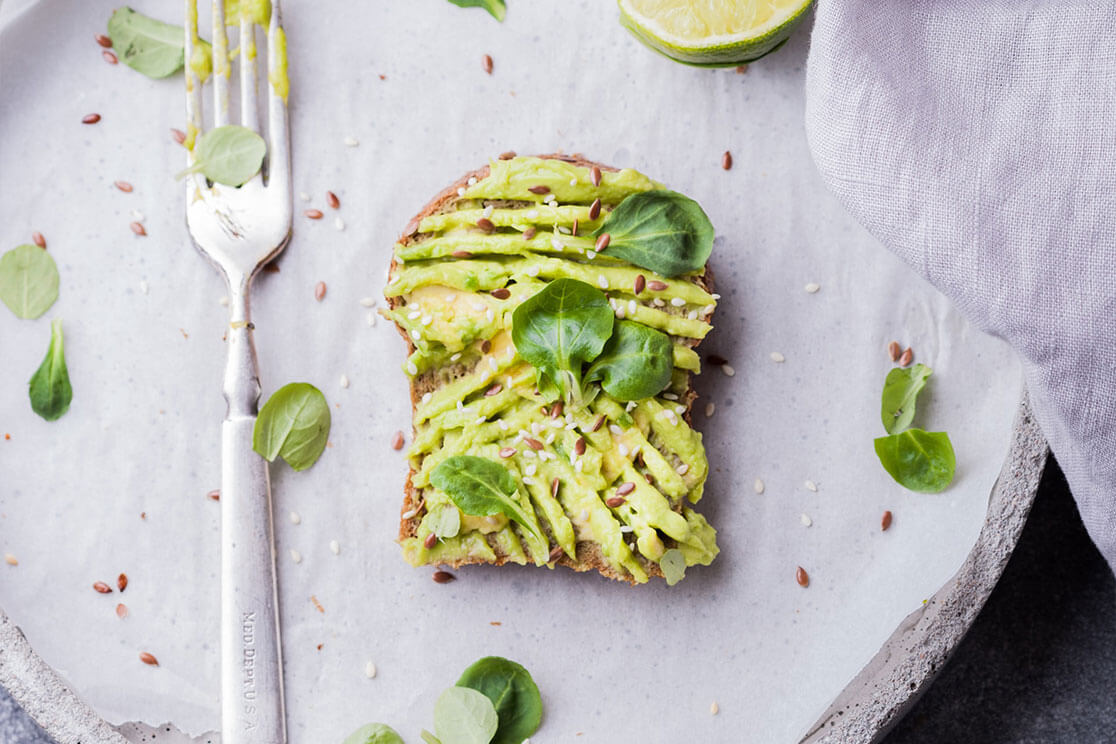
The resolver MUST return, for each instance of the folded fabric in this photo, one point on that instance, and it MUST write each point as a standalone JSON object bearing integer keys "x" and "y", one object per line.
{"x": 977, "y": 140}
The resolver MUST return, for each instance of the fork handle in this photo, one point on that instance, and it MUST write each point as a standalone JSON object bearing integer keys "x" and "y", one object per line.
{"x": 252, "y": 709}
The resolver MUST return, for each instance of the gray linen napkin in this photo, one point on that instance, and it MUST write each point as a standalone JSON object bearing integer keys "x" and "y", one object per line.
{"x": 977, "y": 140}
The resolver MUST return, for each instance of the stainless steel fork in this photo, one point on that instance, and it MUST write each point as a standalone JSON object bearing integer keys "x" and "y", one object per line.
{"x": 239, "y": 230}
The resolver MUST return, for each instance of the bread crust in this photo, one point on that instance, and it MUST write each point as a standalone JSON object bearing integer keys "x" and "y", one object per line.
{"x": 589, "y": 554}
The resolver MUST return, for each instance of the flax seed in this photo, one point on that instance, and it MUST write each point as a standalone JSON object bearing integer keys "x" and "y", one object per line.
{"x": 602, "y": 242}
{"x": 320, "y": 291}
{"x": 595, "y": 209}
{"x": 533, "y": 443}
{"x": 332, "y": 200}
{"x": 148, "y": 659}
{"x": 555, "y": 554}
{"x": 178, "y": 135}
{"x": 10, "y": 559}
{"x": 486, "y": 224}
{"x": 101, "y": 587}
{"x": 461, "y": 254}
{"x": 430, "y": 541}
{"x": 540, "y": 189}
{"x": 802, "y": 577}
{"x": 138, "y": 228}
{"x": 885, "y": 521}
{"x": 529, "y": 233}
{"x": 656, "y": 286}
{"x": 38, "y": 239}
{"x": 554, "y": 486}
{"x": 579, "y": 446}
{"x": 122, "y": 582}
{"x": 486, "y": 63}
{"x": 640, "y": 284}
{"x": 598, "y": 423}
{"x": 507, "y": 452}
{"x": 90, "y": 118}
{"x": 443, "y": 577}
{"x": 508, "y": 155}
{"x": 214, "y": 495}
{"x": 103, "y": 40}
{"x": 314, "y": 214}
{"x": 595, "y": 174}
{"x": 397, "y": 441}
{"x": 109, "y": 57}
{"x": 906, "y": 357}
{"x": 121, "y": 611}
{"x": 893, "y": 351}
{"x": 123, "y": 186}
{"x": 615, "y": 501}
{"x": 501, "y": 293}
{"x": 625, "y": 488}
{"x": 726, "y": 161}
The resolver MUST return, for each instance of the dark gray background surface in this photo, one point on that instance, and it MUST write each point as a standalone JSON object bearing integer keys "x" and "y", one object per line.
{"x": 1038, "y": 666}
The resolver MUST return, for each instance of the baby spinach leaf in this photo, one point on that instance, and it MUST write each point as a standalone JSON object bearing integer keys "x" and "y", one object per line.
{"x": 49, "y": 388}
{"x": 673, "y": 565}
{"x": 231, "y": 155}
{"x": 513, "y": 693}
{"x": 293, "y": 424}
{"x": 560, "y": 327}
{"x": 495, "y": 7}
{"x": 636, "y": 362}
{"x": 901, "y": 388}
{"x": 663, "y": 231}
{"x": 28, "y": 280}
{"x": 152, "y": 47}
{"x": 374, "y": 733}
{"x": 464, "y": 716}
{"x": 444, "y": 521}
{"x": 918, "y": 460}
{"x": 481, "y": 488}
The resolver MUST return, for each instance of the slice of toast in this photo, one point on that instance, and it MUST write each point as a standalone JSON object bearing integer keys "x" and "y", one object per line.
{"x": 610, "y": 485}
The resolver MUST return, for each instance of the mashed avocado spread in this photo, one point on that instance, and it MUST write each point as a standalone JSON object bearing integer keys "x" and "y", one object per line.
{"x": 615, "y": 475}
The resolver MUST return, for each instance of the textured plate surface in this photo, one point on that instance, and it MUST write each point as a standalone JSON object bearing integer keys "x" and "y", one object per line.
{"x": 119, "y": 484}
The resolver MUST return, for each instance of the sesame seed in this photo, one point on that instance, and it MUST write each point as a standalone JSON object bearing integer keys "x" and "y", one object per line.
{"x": 805, "y": 519}
{"x": 480, "y": 420}
{"x": 473, "y": 182}
{"x": 335, "y": 547}
{"x": 709, "y": 408}
{"x": 728, "y": 370}
{"x": 339, "y": 223}
{"x": 532, "y": 214}
{"x": 622, "y": 449}
{"x": 304, "y": 196}
{"x": 812, "y": 287}
{"x": 533, "y": 271}
{"x": 777, "y": 357}
{"x": 632, "y": 305}
{"x": 708, "y": 309}
{"x": 502, "y": 424}
{"x": 658, "y": 302}
{"x": 682, "y": 469}
{"x": 415, "y": 335}
{"x": 564, "y": 230}
{"x": 670, "y": 396}
{"x": 573, "y": 182}
{"x": 692, "y": 315}
{"x": 615, "y": 429}
{"x": 672, "y": 418}
{"x": 224, "y": 301}
{"x": 811, "y": 486}
{"x": 488, "y": 211}
{"x": 414, "y": 315}
{"x": 370, "y": 670}
{"x": 296, "y": 556}
{"x": 10, "y": 559}
{"x": 368, "y": 301}
{"x": 351, "y": 142}
{"x": 371, "y": 319}
{"x": 461, "y": 191}
{"x": 601, "y": 281}
{"x": 590, "y": 255}
{"x": 295, "y": 518}
{"x": 620, "y": 312}
{"x": 626, "y": 529}
{"x": 427, "y": 319}
{"x": 677, "y": 301}
{"x": 530, "y": 469}
{"x": 426, "y": 397}
{"x": 714, "y": 709}
{"x": 144, "y": 286}
{"x": 680, "y": 410}
{"x": 344, "y": 381}
{"x": 409, "y": 514}
{"x": 758, "y": 485}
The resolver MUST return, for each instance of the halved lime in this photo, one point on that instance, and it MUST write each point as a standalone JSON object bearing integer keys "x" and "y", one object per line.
{"x": 713, "y": 33}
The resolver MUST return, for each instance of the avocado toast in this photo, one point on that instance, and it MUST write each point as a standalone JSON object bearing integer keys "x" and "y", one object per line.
{"x": 591, "y": 482}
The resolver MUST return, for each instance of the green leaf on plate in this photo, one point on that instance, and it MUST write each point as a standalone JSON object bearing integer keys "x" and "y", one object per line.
{"x": 918, "y": 460}
{"x": 901, "y": 389}
{"x": 151, "y": 47}
{"x": 374, "y": 733}
{"x": 481, "y": 488}
{"x": 293, "y": 424}
{"x": 464, "y": 716}
{"x": 636, "y": 363}
{"x": 49, "y": 387}
{"x": 513, "y": 694}
{"x": 496, "y": 8}
{"x": 660, "y": 230}
{"x": 231, "y": 155}
{"x": 28, "y": 280}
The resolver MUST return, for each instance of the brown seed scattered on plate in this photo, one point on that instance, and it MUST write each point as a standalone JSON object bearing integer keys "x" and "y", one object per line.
{"x": 443, "y": 577}
{"x": 101, "y": 587}
{"x": 741, "y": 69}
{"x": 507, "y": 155}
{"x": 430, "y": 541}
{"x": 90, "y": 118}
{"x": 10, "y": 559}
{"x": 893, "y": 351}
{"x": 121, "y": 611}
{"x": 109, "y": 57}
{"x": 801, "y": 576}
{"x": 123, "y": 186}
{"x": 397, "y": 441}
{"x": 602, "y": 242}
{"x": 726, "y": 160}
{"x": 214, "y": 495}
{"x": 178, "y": 135}
{"x": 332, "y": 200}
{"x": 148, "y": 659}
{"x": 138, "y": 228}
{"x": 122, "y": 582}
{"x": 885, "y": 521}
{"x": 486, "y": 63}
{"x": 320, "y": 291}
{"x": 38, "y": 239}
{"x": 317, "y": 604}
{"x": 314, "y": 214}
{"x": 103, "y": 40}
{"x": 906, "y": 357}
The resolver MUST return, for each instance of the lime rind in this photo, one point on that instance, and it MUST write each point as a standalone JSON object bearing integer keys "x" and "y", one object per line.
{"x": 731, "y": 54}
